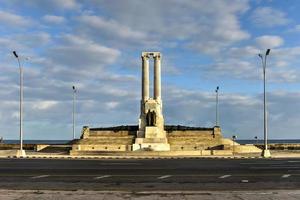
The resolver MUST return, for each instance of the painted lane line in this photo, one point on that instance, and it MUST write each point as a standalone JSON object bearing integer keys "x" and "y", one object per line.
{"x": 41, "y": 176}
{"x": 262, "y": 163}
{"x": 120, "y": 163}
{"x": 101, "y": 177}
{"x": 225, "y": 176}
{"x": 276, "y": 167}
{"x": 244, "y": 181}
{"x": 285, "y": 176}
{"x": 163, "y": 177}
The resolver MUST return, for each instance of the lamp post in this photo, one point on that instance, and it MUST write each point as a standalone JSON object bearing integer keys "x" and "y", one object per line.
{"x": 266, "y": 153}
{"x": 73, "y": 113}
{"x": 233, "y": 143}
{"x": 217, "y": 106}
{"x": 20, "y": 152}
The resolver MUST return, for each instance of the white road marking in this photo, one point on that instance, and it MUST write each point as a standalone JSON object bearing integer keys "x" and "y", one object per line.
{"x": 262, "y": 163}
{"x": 41, "y": 176}
{"x": 225, "y": 176}
{"x": 294, "y": 161}
{"x": 276, "y": 167}
{"x": 163, "y": 177}
{"x": 244, "y": 181}
{"x": 285, "y": 176}
{"x": 119, "y": 163}
{"x": 101, "y": 177}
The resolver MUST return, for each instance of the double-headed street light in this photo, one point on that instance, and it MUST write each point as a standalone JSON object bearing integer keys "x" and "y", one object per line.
{"x": 20, "y": 152}
{"x": 217, "y": 106}
{"x": 266, "y": 153}
{"x": 73, "y": 113}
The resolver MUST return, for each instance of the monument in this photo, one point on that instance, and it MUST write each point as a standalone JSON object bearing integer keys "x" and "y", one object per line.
{"x": 151, "y": 136}
{"x": 151, "y": 133}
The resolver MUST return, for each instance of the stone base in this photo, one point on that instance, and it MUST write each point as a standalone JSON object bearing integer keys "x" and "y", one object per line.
{"x": 152, "y": 139}
{"x": 151, "y": 144}
{"x": 21, "y": 153}
{"x": 151, "y": 147}
{"x": 266, "y": 153}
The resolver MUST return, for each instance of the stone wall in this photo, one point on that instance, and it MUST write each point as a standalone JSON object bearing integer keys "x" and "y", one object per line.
{"x": 197, "y": 139}
{"x": 121, "y": 138}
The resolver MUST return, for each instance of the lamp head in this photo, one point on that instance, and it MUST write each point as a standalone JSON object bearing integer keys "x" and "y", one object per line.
{"x": 268, "y": 52}
{"x": 260, "y": 55}
{"x": 15, "y": 54}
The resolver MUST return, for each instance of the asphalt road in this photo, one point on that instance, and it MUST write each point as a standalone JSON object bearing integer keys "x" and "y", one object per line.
{"x": 157, "y": 174}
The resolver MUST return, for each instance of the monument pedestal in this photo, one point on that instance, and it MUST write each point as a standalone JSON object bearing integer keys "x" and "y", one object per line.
{"x": 154, "y": 140}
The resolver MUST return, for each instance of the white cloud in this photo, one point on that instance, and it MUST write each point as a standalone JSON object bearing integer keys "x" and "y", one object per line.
{"x": 268, "y": 17}
{"x": 112, "y": 104}
{"x": 13, "y": 20}
{"x": 33, "y": 39}
{"x": 295, "y": 29}
{"x": 241, "y": 52}
{"x": 81, "y": 53}
{"x": 269, "y": 41}
{"x": 205, "y": 26}
{"x": 50, "y": 5}
{"x": 112, "y": 27}
{"x": 66, "y": 4}
{"x": 233, "y": 68}
{"x": 44, "y": 105}
{"x": 53, "y": 19}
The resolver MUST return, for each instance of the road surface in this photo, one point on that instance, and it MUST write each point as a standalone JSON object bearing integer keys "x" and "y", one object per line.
{"x": 157, "y": 174}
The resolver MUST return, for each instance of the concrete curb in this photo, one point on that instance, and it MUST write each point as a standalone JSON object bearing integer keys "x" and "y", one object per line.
{"x": 128, "y": 157}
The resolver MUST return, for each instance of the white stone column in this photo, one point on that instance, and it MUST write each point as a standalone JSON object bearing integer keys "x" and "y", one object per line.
{"x": 157, "y": 75}
{"x": 145, "y": 77}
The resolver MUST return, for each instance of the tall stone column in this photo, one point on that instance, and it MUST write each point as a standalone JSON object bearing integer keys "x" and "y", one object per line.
{"x": 145, "y": 77}
{"x": 157, "y": 75}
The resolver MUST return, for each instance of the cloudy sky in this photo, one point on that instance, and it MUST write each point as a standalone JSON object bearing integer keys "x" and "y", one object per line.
{"x": 96, "y": 45}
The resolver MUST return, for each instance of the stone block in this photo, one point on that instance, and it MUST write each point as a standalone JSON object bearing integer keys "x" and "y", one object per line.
{"x": 221, "y": 152}
{"x": 151, "y": 147}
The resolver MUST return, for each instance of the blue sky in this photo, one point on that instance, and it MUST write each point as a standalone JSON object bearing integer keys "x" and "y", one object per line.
{"x": 96, "y": 45}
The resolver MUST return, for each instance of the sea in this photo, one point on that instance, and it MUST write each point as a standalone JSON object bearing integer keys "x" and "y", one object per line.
{"x": 285, "y": 141}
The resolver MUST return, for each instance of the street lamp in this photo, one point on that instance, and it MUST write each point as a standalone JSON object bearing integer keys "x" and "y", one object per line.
{"x": 217, "y": 106}
{"x": 20, "y": 152}
{"x": 256, "y": 140}
{"x": 266, "y": 153}
{"x": 73, "y": 114}
{"x": 233, "y": 143}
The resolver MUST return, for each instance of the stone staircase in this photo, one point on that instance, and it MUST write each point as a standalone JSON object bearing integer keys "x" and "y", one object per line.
{"x": 97, "y": 141}
{"x": 193, "y": 140}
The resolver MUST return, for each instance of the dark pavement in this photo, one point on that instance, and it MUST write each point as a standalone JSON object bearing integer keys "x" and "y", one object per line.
{"x": 156, "y": 174}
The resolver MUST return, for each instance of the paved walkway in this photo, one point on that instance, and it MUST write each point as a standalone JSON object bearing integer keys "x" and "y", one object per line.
{"x": 159, "y": 195}
{"x": 64, "y": 155}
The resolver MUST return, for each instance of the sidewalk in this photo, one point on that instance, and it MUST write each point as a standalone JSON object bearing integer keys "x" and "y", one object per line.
{"x": 64, "y": 155}
{"x": 161, "y": 195}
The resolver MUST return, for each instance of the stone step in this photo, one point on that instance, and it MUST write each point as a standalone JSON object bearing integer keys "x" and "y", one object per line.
{"x": 111, "y": 142}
